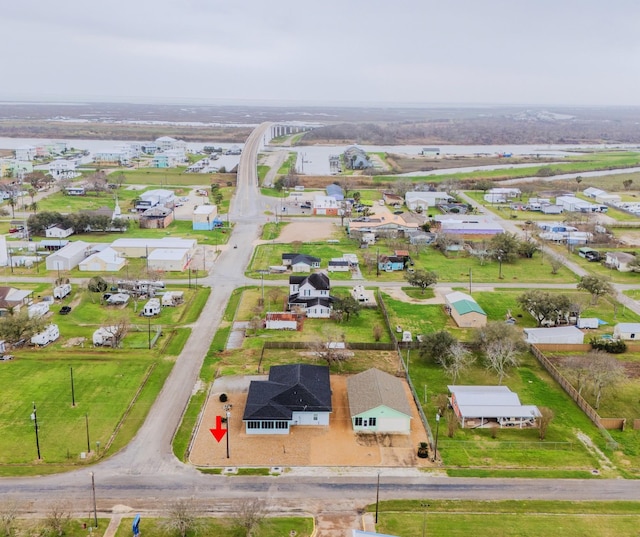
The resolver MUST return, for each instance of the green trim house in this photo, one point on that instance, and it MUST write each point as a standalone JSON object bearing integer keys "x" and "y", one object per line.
{"x": 378, "y": 403}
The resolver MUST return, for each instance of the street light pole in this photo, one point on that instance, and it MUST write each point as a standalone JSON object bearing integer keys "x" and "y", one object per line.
{"x": 86, "y": 420}
{"x": 34, "y": 417}
{"x": 435, "y": 447}
{"x": 377, "y": 496}
{"x": 95, "y": 508}
{"x": 228, "y": 420}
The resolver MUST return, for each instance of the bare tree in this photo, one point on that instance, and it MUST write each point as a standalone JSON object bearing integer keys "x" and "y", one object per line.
{"x": 556, "y": 264}
{"x": 325, "y": 346}
{"x": 543, "y": 421}
{"x": 249, "y": 515}
{"x": 500, "y": 355}
{"x": 57, "y": 519}
{"x": 183, "y": 517}
{"x": 117, "y": 328}
{"x": 578, "y": 370}
{"x": 457, "y": 360}
{"x": 604, "y": 372}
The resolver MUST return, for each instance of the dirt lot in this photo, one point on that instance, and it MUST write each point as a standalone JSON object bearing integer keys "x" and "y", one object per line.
{"x": 310, "y": 230}
{"x": 336, "y": 445}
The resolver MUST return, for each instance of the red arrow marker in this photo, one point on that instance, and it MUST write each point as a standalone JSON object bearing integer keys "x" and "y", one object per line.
{"x": 218, "y": 433}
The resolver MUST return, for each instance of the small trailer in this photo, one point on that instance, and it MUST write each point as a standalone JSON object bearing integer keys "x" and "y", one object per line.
{"x": 151, "y": 308}
{"x": 61, "y": 291}
{"x": 48, "y": 335}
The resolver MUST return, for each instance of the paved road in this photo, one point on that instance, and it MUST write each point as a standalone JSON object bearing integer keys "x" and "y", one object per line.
{"x": 146, "y": 475}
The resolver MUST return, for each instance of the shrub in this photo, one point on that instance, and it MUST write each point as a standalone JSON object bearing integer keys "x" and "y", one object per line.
{"x": 612, "y": 346}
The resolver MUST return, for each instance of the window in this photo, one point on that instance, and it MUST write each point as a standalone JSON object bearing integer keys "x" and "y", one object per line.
{"x": 372, "y": 422}
{"x": 282, "y": 425}
{"x": 358, "y": 422}
{"x": 267, "y": 425}
{"x": 253, "y": 425}
{"x": 315, "y": 417}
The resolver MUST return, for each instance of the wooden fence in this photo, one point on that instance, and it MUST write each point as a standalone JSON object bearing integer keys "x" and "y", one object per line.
{"x": 579, "y": 400}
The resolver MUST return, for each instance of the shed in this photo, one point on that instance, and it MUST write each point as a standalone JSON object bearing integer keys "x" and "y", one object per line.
{"x": 627, "y": 331}
{"x": 562, "y": 334}
{"x": 464, "y": 310}
{"x": 378, "y": 403}
{"x": 282, "y": 321}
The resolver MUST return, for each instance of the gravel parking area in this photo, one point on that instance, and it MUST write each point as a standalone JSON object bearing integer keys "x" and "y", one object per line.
{"x": 336, "y": 445}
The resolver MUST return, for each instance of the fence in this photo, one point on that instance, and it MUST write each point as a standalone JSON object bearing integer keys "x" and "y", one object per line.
{"x": 573, "y": 393}
{"x": 514, "y": 446}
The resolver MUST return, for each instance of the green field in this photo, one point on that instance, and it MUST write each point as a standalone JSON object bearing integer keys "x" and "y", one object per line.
{"x": 104, "y": 387}
{"x": 507, "y": 518}
{"x": 224, "y": 527}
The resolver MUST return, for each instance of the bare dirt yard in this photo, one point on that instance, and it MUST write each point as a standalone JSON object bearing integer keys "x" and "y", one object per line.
{"x": 335, "y": 445}
{"x": 310, "y": 230}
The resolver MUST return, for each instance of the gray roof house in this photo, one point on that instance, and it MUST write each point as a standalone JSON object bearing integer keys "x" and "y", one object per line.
{"x": 297, "y": 394}
{"x": 378, "y": 403}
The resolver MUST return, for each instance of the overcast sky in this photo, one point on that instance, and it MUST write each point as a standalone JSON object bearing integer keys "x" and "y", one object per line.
{"x": 572, "y": 52}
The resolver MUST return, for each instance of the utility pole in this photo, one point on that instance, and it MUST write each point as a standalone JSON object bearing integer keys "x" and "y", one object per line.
{"x": 34, "y": 417}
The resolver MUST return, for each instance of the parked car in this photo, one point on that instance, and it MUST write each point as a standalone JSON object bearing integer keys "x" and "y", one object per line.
{"x": 6, "y": 357}
{"x": 398, "y": 212}
{"x": 65, "y": 310}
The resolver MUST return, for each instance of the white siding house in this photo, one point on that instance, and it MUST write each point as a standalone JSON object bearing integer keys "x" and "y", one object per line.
{"x": 67, "y": 258}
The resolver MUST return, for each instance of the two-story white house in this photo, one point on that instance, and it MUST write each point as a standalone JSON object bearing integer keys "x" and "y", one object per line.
{"x": 311, "y": 295}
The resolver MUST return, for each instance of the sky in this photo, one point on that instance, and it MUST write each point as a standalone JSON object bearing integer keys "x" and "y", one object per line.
{"x": 400, "y": 52}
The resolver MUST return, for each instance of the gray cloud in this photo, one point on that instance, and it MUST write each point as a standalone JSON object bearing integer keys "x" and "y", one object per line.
{"x": 496, "y": 51}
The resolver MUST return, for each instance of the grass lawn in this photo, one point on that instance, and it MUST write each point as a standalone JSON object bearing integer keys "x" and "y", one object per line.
{"x": 224, "y": 527}
{"x": 507, "y": 518}
{"x": 105, "y": 385}
{"x": 487, "y": 452}
{"x": 458, "y": 265}
{"x": 359, "y": 328}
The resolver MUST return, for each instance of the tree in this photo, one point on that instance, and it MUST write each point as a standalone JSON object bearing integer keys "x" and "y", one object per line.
{"x": 57, "y": 518}
{"x": 484, "y": 185}
{"x": 356, "y": 197}
{"x": 348, "y": 306}
{"x": 325, "y": 346}
{"x": 97, "y": 284}
{"x": 18, "y": 325}
{"x": 436, "y": 344}
{"x": 183, "y": 517}
{"x": 597, "y": 286}
{"x": 543, "y": 421}
{"x": 527, "y": 248}
{"x": 578, "y": 181}
{"x": 604, "y": 372}
{"x": 496, "y": 331}
{"x": 249, "y": 515}
{"x": 421, "y": 279}
{"x": 119, "y": 179}
{"x": 545, "y": 307}
{"x": 627, "y": 184}
{"x": 457, "y": 360}
{"x": 12, "y": 203}
{"x": 578, "y": 371}
{"x": 556, "y": 264}
{"x": 505, "y": 246}
{"x": 117, "y": 328}
{"x": 500, "y": 355}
